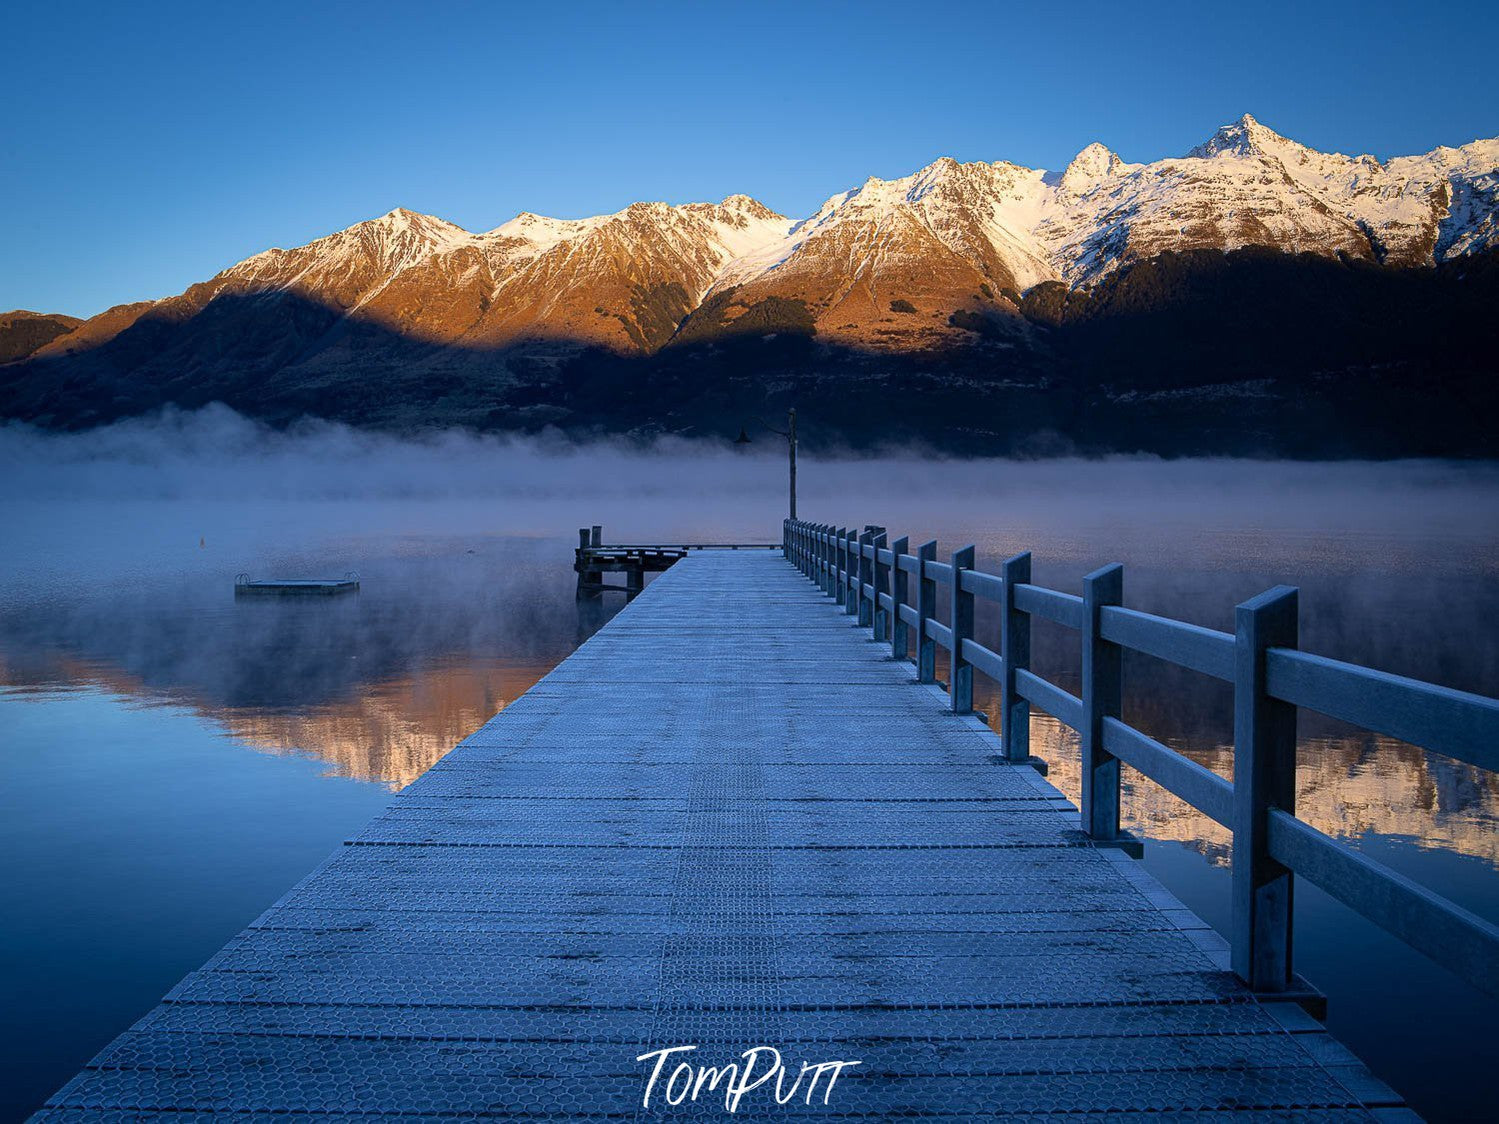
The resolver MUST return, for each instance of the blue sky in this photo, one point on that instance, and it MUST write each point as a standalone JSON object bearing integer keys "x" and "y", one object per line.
{"x": 147, "y": 146}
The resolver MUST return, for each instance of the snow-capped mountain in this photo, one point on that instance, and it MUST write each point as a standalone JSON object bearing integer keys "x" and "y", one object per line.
{"x": 622, "y": 281}
{"x": 1117, "y": 304}
{"x": 970, "y": 236}
{"x": 890, "y": 264}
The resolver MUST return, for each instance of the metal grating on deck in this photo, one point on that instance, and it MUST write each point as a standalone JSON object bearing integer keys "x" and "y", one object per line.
{"x": 728, "y": 820}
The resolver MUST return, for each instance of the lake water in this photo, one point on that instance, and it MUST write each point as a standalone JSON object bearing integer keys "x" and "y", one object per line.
{"x": 172, "y": 760}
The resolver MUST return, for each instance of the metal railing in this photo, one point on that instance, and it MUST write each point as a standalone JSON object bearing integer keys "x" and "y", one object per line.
{"x": 894, "y": 592}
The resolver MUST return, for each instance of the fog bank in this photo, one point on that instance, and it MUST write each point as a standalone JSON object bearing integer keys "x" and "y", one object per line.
{"x": 213, "y": 489}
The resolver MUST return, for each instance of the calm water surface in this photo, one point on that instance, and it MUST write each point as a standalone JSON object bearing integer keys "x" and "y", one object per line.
{"x": 174, "y": 760}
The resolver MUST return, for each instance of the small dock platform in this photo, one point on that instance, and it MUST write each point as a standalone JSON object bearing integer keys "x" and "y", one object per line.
{"x": 728, "y": 820}
{"x": 245, "y": 586}
{"x": 594, "y": 558}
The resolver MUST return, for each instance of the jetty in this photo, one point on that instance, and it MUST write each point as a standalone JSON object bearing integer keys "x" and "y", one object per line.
{"x": 746, "y": 814}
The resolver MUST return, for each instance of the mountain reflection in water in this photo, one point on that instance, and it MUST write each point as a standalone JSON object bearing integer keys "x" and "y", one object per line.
{"x": 381, "y": 685}
{"x": 378, "y": 685}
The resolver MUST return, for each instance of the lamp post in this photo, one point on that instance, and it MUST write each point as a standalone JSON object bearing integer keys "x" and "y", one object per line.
{"x": 789, "y": 433}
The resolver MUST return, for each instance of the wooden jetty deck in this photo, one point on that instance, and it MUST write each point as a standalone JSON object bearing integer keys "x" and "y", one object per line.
{"x": 728, "y": 820}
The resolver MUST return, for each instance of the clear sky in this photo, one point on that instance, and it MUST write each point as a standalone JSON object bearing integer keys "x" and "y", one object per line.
{"x": 149, "y": 145}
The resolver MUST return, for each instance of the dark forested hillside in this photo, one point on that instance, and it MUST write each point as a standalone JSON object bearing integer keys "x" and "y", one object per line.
{"x": 1248, "y": 352}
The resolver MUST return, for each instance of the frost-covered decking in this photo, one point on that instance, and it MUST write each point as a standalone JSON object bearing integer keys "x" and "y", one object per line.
{"x": 728, "y": 820}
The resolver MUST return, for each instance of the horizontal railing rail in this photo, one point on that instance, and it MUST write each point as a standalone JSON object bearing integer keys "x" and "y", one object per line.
{"x": 688, "y": 546}
{"x": 894, "y": 591}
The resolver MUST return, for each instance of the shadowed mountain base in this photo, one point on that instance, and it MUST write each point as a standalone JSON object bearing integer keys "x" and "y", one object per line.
{"x": 1253, "y": 352}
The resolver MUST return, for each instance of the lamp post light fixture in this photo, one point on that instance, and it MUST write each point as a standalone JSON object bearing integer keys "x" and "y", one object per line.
{"x": 789, "y": 433}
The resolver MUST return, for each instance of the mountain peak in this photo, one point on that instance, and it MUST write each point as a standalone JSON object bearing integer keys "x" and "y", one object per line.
{"x": 406, "y": 225}
{"x": 944, "y": 167}
{"x": 750, "y": 208}
{"x": 405, "y": 218}
{"x": 1244, "y": 137}
{"x": 1093, "y": 163}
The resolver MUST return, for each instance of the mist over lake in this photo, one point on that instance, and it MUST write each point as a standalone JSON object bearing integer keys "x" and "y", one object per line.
{"x": 173, "y": 759}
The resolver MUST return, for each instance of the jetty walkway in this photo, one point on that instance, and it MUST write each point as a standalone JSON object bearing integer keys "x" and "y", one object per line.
{"x": 730, "y": 819}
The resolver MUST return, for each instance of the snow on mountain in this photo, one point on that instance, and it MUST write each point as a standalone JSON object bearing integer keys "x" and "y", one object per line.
{"x": 1090, "y": 167}
{"x": 344, "y": 264}
{"x": 542, "y": 233}
{"x": 957, "y": 240}
{"x": 981, "y": 213}
{"x": 891, "y": 263}
{"x": 1249, "y": 186}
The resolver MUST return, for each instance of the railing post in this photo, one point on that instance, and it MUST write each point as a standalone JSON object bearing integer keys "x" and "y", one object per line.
{"x": 830, "y": 585}
{"x": 827, "y": 559}
{"x": 960, "y": 677}
{"x": 900, "y": 588}
{"x": 879, "y": 627}
{"x": 1103, "y": 691}
{"x": 1015, "y": 650}
{"x": 837, "y": 566}
{"x": 855, "y": 541}
{"x": 845, "y": 560}
{"x": 864, "y": 576}
{"x": 1264, "y": 778}
{"x": 823, "y": 552}
{"x": 926, "y": 609}
{"x": 855, "y": 560}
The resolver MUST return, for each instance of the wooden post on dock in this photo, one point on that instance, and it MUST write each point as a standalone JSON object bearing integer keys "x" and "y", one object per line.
{"x": 960, "y": 677}
{"x": 1015, "y": 651}
{"x": 840, "y": 568}
{"x": 864, "y": 576}
{"x": 855, "y": 555}
{"x": 1264, "y": 778}
{"x": 586, "y": 577}
{"x": 825, "y": 559}
{"x": 834, "y": 561}
{"x": 846, "y": 568}
{"x": 900, "y": 590}
{"x": 1103, "y": 691}
{"x": 880, "y": 626}
{"x": 926, "y": 610}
